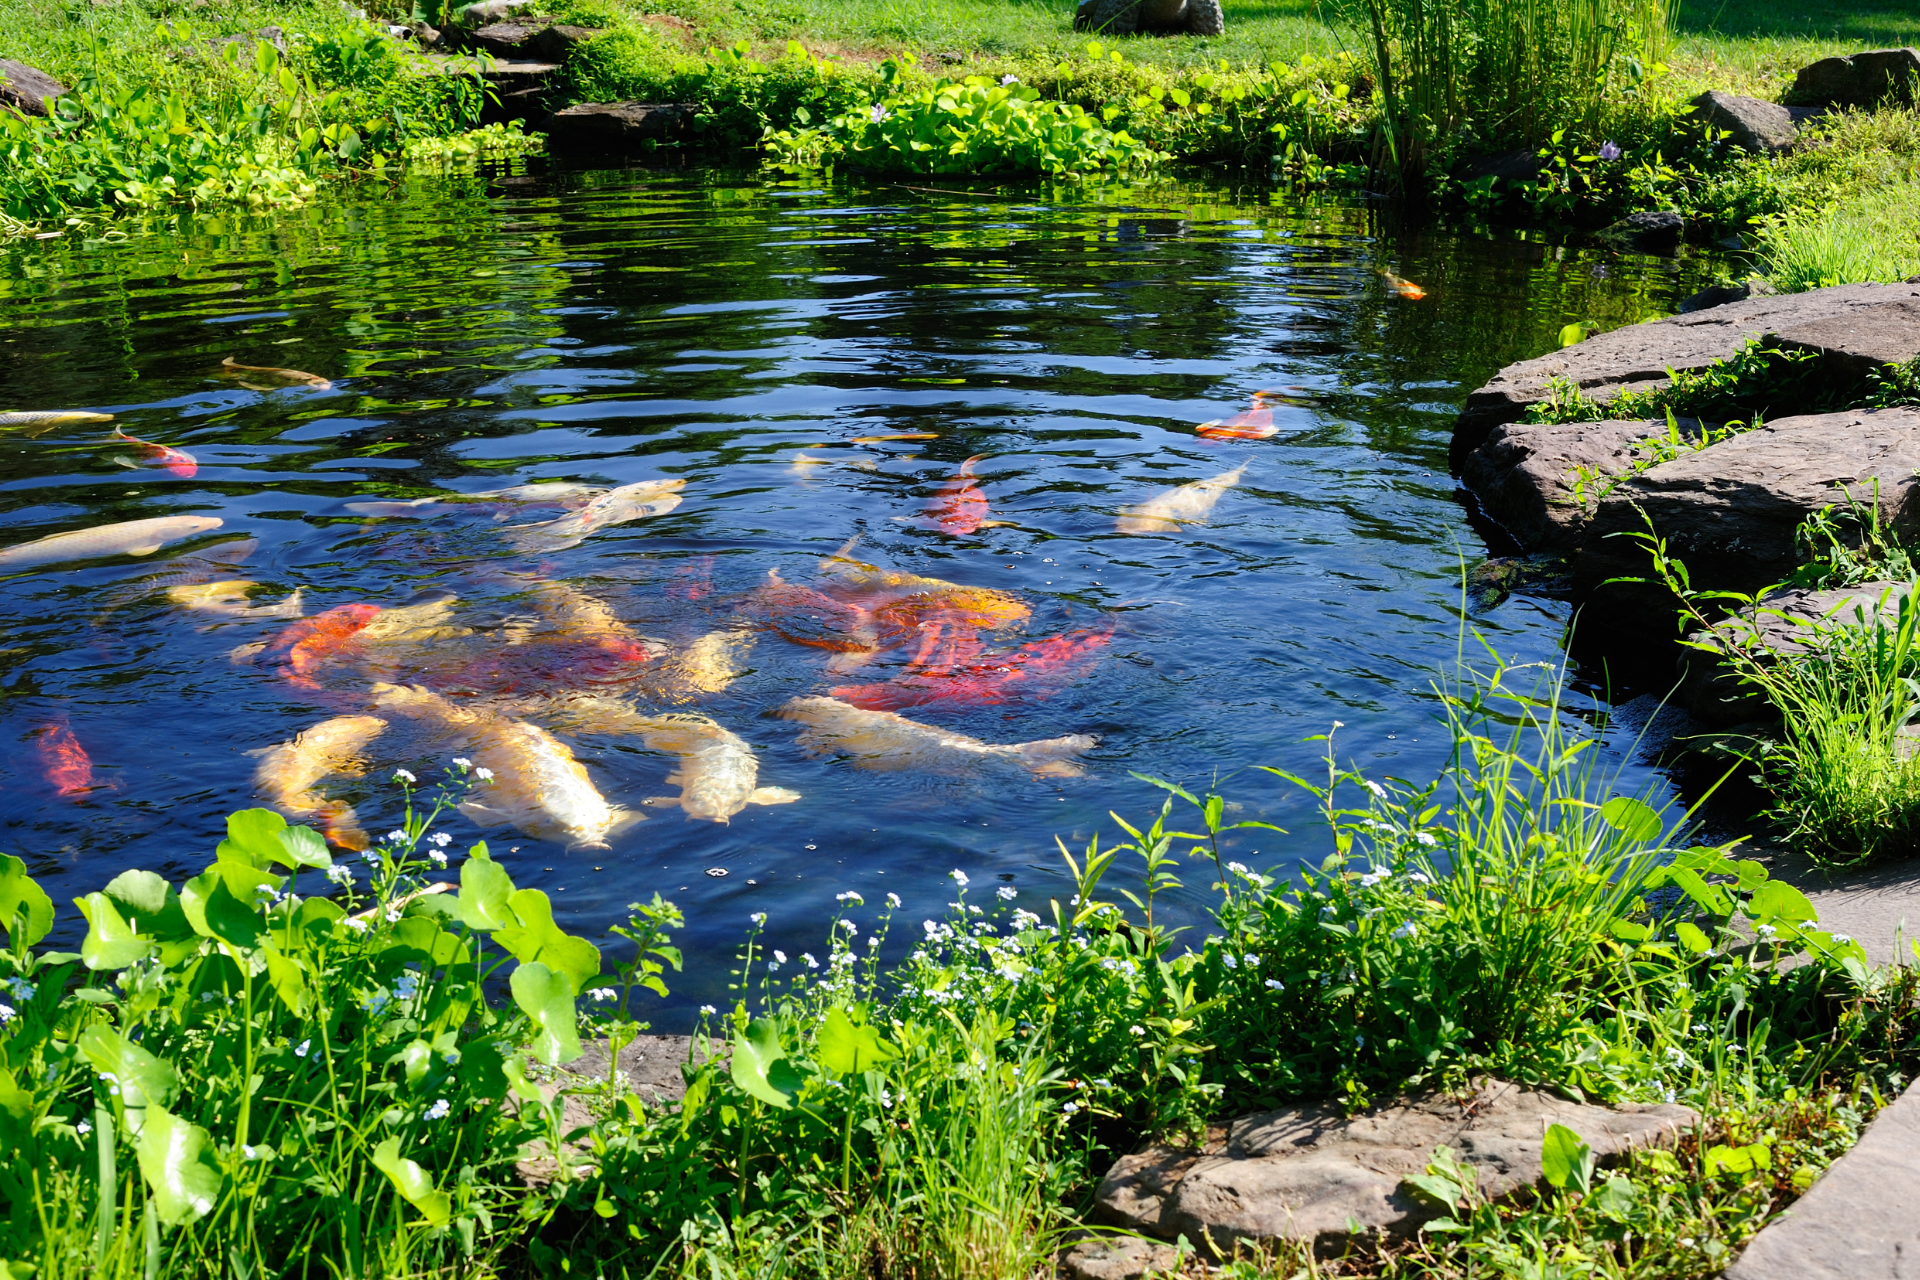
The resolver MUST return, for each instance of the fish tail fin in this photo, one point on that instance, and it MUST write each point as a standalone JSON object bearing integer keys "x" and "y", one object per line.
{"x": 1054, "y": 757}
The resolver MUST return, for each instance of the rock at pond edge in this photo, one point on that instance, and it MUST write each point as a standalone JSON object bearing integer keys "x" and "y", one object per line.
{"x": 1655, "y": 231}
{"x": 25, "y": 90}
{"x": 1307, "y": 1174}
{"x": 1541, "y": 482}
{"x": 1782, "y": 622}
{"x": 618, "y": 126}
{"x": 1119, "y": 1258}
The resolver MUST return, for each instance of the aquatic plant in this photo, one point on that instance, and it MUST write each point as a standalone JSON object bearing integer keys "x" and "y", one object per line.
{"x": 973, "y": 125}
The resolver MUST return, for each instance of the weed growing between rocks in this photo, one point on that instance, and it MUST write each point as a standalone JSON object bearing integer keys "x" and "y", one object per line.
{"x": 1738, "y": 391}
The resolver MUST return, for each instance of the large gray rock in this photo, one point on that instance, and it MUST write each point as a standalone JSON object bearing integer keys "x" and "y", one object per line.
{"x": 1158, "y": 17}
{"x": 1638, "y": 356}
{"x": 1861, "y": 1220}
{"x": 1651, "y": 231}
{"x": 26, "y": 91}
{"x": 1755, "y": 125}
{"x": 618, "y": 126}
{"x": 1783, "y": 623}
{"x": 512, "y": 38}
{"x": 1542, "y": 482}
{"x": 1308, "y": 1174}
{"x": 1861, "y": 80}
{"x": 1120, "y": 1258}
{"x": 1858, "y": 341}
{"x": 1730, "y": 511}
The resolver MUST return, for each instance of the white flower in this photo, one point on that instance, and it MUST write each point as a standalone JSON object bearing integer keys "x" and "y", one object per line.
{"x": 1238, "y": 868}
{"x": 439, "y": 858}
{"x": 355, "y": 922}
{"x": 706, "y": 1011}
{"x": 886, "y": 1100}
{"x": 1226, "y": 958}
{"x": 1767, "y": 931}
{"x": 404, "y": 775}
{"x": 1842, "y": 938}
{"x": 1406, "y": 930}
{"x": 1250, "y": 960}
{"x": 1420, "y": 877}
{"x": 1136, "y": 1029}
{"x": 1274, "y": 984}
{"x": 300, "y": 1050}
{"x": 84, "y": 1128}
{"x": 1379, "y": 791}
{"x": 393, "y": 915}
{"x": 485, "y": 775}
{"x": 461, "y": 762}
{"x": 806, "y": 958}
{"x": 759, "y": 918}
{"x": 893, "y": 900}
{"x": 441, "y": 838}
{"x": 603, "y": 994}
{"x": 340, "y": 874}
{"x": 1069, "y": 1107}
{"x": 1372, "y": 878}
{"x": 878, "y": 113}
{"x": 438, "y": 1111}
{"x": 1339, "y": 724}
{"x": 958, "y": 877}
{"x": 1007, "y": 892}
{"x": 1008, "y": 79}
{"x": 1426, "y": 839}
{"x": 850, "y": 927}
{"x": 779, "y": 956}
{"x": 850, "y": 896}
{"x": 396, "y": 837}
{"x": 931, "y": 927}
{"x": 873, "y": 940}
{"x": 6, "y": 1014}
{"x": 1024, "y": 919}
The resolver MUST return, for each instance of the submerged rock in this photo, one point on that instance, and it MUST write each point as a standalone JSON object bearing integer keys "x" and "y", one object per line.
{"x": 26, "y": 91}
{"x": 1756, "y": 125}
{"x": 618, "y": 126}
{"x": 1306, "y": 1173}
{"x": 1654, "y": 231}
{"x": 1639, "y": 356}
{"x": 1859, "y": 80}
{"x": 1730, "y": 513}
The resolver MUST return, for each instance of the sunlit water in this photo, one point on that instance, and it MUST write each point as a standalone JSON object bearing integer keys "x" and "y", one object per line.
{"x": 608, "y": 328}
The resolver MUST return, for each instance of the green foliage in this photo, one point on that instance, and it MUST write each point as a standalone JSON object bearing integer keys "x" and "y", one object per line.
{"x": 967, "y": 126}
{"x": 1870, "y": 239}
{"x": 1743, "y": 387}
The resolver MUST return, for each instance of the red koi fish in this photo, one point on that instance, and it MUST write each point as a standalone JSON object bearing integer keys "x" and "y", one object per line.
{"x": 692, "y": 581}
{"x": 960, "y": 508}
{"x": 1034, "y": 669}
{"x": 808, "y": 617}
{"x": 1405, "y": 288}
{"x": 302, "y": 647}
{"x": 64, "y": 763}
{"x": 1255, "y": 423}
{"x": 160, "y": 455}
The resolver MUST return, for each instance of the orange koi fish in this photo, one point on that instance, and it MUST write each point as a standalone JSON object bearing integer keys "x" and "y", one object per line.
{"x": 898, "y": 435}
{"x": 808, "y": 617}
{"x": 301, "y": 648}
{"x": 1255, "y": 423}
{"x": 960, "y": 508}
{"x": 161, "y": 455}
{"x": 692, "y": 581}
{"x": 1036, "y": 669}
{"x": 64, "y": 763}
{"x": 1405, "y": 288}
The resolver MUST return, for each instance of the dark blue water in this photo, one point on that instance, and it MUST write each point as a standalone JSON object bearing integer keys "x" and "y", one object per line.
{"x": 613, "y": 328}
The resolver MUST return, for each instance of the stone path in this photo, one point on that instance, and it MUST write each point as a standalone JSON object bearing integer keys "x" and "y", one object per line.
{"x": 1877, "y": 906}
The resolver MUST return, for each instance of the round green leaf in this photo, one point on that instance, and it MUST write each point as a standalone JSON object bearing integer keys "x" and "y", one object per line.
{"x": 413, "y": 1183}
{"x": 546, "y": 997}
{"x": 176, "y": 1160}
{"x": 1631, "y": 818}
{"x": 23, "y": 903}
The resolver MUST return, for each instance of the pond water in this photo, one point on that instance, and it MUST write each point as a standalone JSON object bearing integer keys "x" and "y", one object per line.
{"x": 756, "y": 340}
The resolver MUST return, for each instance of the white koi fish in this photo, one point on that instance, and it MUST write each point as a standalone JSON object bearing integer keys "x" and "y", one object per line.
{"x": 1186, "y": 504}
{"x": 130, "y": 538}
{"x": 885, "y": 741}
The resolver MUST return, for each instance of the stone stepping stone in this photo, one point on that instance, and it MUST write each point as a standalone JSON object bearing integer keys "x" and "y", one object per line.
{"x": 1729, "y": 513}
{"x": 1638, "y": 357}
{"x": 1860, "y": 1221}
{"x": 1306, "y": 1173}
{"x": 617, "y": 127}
{"x": 1541, "y": 482}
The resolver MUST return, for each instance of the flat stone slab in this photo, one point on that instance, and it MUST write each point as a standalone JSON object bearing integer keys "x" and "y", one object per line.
{"x": 1639, "y": 356}
{"x": 1119, "y": 1258}
{"x": 1309, "y": 1174}
{"x": 1860, "y": 1221}
{"x": 1542, "y": 482}
{"x": 618, "y": 126}
{"x": 1729, "y": 513}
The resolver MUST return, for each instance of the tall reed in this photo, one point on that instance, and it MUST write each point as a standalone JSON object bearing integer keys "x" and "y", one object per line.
{"x": 1499, "y": 73}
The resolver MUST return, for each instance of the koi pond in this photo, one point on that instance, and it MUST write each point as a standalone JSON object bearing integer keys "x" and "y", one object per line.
{"x": 845, "y": 535}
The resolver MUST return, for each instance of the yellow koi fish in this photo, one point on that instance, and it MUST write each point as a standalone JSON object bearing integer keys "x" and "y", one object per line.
{"x": 1186, "y": 504}
{"x": 885, "y": 741}
{"x": 314, "y": 380}
{"x": 287, "y": 774}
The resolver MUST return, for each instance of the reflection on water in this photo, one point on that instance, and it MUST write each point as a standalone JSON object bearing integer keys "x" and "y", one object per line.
{"x": 810, "y": 367}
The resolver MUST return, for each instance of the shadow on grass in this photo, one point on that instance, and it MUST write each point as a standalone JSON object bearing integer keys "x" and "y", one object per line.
{"x": 1870, "y": 25}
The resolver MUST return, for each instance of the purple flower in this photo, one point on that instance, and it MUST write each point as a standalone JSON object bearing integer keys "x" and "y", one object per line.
{"x": 1609, "y": 151}
{"x": 878, "y": 113}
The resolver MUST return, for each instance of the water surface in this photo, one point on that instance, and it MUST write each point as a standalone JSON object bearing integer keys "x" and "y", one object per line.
{"x": 607, "y": 328}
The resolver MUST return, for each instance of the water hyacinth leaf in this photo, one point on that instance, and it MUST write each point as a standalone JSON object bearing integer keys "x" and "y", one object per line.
{"x": 1631, "y": 818}
{"x": 1723, "y": 1159}
{"x": 415, "y": 1059}
{"x": 23, "y": 904}
{"x": 847, "y": 1048}
{"x": 253, "y": 838}
{"x": 1692, "y": 937}
{"x": 289, "y": 980}
{"x": 177, "y": 1163}
{"x": 111, "y": 942}
{"x": 1566, "y": 1161}
{"x": 1777, "y": 902}
{"x": 546, "y": 996}
{"x": 485, "y": 887}
{"x": 152, "y": 908}
{"x": 423, "y": 936}
{"x": 413, "y": 1183}
{"x": 143, "y": 1080}
{"x": 213, "y": 909}
{"x": 534, "y": 936}
{"x": 757, "y": 1056}
{"x": 303, "y": 847}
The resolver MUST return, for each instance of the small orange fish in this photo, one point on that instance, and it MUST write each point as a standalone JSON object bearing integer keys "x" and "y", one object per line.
{"x": 160, "y": 455}
{"x": 899, "y": 435}
{"x": 63, "y": 761}
{"x": 313, "y": 380}
{"x": 1405, "y": 288}
{"x": 303, "y": 646}
{"x": 1255, "y": 423}
{"x": 961, "y": 508}
{"x": 692, "y": 581}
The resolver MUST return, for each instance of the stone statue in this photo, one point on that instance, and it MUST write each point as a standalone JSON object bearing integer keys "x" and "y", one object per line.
{"x": 1159, "y": 17}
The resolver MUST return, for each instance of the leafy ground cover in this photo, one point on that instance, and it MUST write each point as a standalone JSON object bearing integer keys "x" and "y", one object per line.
{"x": 290, "y": 1066}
